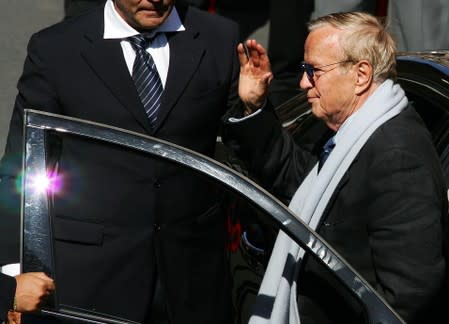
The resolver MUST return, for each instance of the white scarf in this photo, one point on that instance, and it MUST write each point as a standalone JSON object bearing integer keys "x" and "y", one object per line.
{"x": 310, "y": 200}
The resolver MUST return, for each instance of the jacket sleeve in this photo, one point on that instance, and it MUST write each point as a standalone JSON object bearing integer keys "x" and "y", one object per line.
{"x": 270, "y": 154}
{"x": 7, "y": 292}
{"x": 35, "y": 91}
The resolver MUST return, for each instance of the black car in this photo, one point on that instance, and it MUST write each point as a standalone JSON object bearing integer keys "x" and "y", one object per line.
{"x": 254, "y": 215}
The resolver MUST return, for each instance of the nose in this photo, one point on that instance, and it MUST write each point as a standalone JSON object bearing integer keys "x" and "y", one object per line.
{"x": 304, "y": 82}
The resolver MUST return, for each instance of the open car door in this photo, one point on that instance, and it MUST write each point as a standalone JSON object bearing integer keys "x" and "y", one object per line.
{"x": 42, "y": 130}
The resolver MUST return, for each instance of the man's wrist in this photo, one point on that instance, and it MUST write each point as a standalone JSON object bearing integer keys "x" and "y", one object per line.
{"x": 251, "y": 108}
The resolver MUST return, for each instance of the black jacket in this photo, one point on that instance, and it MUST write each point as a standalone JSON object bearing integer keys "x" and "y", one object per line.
{"x": 7, "y": 292}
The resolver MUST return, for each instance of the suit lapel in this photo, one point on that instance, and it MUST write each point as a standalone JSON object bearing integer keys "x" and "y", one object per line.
{"x": 105, "y": 57}
{"x": 186, "y": 51}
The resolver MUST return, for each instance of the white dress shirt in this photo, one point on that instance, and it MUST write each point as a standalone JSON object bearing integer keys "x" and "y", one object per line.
{"x": 115, "y": 27}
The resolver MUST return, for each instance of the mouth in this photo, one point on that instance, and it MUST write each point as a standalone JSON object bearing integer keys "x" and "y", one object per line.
{"x": 150, "y": 9}
{"x": 158, "y": 8}
{"x": 150, "y": 12}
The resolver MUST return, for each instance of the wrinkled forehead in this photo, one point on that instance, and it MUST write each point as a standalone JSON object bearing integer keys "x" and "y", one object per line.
{"x": 323, "y": 45}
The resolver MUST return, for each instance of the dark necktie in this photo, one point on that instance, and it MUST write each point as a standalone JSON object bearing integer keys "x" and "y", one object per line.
{"x": 327, "y": 149}
{"x": 146, "y": 78}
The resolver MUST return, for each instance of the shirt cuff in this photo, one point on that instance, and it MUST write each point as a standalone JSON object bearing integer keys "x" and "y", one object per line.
{"x": 236, "y": 120}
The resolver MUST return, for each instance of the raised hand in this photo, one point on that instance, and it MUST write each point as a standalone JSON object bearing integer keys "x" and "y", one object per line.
{"x": 255, "y": 75}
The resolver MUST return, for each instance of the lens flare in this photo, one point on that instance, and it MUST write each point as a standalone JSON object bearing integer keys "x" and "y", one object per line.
{"x": 49, "y": 182}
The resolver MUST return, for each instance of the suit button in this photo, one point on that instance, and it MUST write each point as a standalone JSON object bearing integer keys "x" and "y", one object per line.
{"x": 156, "y": 227}
{"x": 156, "y": 184}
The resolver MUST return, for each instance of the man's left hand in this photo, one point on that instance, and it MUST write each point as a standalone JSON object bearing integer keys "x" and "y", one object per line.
{"x": 255, "y": 75}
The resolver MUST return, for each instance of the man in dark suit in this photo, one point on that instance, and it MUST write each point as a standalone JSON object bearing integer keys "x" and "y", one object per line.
{"x": 124, "y": 223}
{"x": 379, "y": 199}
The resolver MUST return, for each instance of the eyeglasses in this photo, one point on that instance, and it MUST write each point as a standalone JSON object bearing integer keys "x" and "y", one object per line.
{"x": 310, "y": 69}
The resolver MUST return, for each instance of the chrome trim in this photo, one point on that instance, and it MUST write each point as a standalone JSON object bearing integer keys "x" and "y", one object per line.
{"x": 424, "y": 85}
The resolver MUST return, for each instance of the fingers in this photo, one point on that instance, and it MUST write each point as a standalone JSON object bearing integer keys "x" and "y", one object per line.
{"x": 254, "y": 53}
{"x": 243, "y": 58}
{"x": 255, "y": 74}
{"x": 47, "y": 282}
{"x": 32, "y": 290}
{"x": 41, "y": 275}
{"x": 267, "y": 77}
{"x": 14, "y": 317}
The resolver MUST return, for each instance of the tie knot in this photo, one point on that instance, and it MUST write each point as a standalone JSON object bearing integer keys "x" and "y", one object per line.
{"x": 329, "y": 146}
{"x": 139, "y": 42}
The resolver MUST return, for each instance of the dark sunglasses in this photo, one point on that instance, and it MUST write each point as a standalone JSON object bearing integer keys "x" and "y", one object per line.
{"x": 309, "y": 69}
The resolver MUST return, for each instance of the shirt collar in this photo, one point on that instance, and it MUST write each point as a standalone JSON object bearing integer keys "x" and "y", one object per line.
{"x": 116, "y": 27}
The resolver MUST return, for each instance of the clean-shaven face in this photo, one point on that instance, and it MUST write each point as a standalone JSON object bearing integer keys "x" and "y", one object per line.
{"x": 144, "y": 14}
{"x": 331, "y": 92}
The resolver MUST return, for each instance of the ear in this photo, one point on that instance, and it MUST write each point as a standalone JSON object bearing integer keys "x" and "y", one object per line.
{"x": 364, "y": 76}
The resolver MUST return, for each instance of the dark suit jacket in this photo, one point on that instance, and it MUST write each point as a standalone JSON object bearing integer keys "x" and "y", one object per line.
{"x": 7, "y": 292}
{"x": 387, "y": 217}
{"x": 121, "y": 216}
